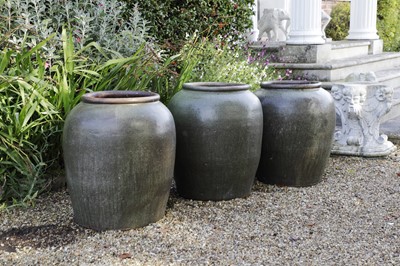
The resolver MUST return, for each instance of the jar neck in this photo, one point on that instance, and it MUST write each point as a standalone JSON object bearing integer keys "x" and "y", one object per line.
{"x": 291, "y": 84}
{"x": 120, "y": 97}
{"x": 215, "y": 86}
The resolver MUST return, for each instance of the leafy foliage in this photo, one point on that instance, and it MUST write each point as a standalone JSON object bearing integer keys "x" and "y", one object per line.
{"x": 388, "y": 24}
{"x": 36, "y": 97}
{"x": 31, "y": 21}
{"x": 28, "y": 123}
{"x": 51, "y": 54}
{"x": 172, "y": 21}
{"x": 216, "y": 61}
{"x": 338, "y": 27}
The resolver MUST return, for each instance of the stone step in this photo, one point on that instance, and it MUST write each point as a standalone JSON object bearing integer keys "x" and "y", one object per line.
{"x": 391, "y": 128}
{"x": 338, "y": 70}
{"x": 390, "y": 123}
{"x": 395, "y": 110}
{"x": 312, "y": 53}
{"x": 389, "y": 77}
{"x": 349, "y": 49}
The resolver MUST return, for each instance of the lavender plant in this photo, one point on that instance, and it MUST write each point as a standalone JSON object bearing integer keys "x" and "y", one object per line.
{"x": 27, "y": 22}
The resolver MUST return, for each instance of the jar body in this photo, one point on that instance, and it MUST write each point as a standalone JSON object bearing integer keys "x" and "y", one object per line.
{"x": 299, "y": 122}
{"x": 119, "y": 162}
{"x": 219, "y": 132}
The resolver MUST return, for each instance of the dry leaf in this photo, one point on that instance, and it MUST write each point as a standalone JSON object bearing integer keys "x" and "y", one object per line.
{"x": 125, "y": 256}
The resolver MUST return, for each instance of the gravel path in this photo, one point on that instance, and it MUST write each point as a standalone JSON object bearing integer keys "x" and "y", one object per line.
{"x": 351, "y": 218}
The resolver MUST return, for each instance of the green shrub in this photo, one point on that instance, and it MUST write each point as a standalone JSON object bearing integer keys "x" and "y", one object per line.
{"x": 388, "y": 24}
{"x": 35, "y": 98}
{"x": 42, "y": 78}
{"x": 213, "y": 60}
{"x": 28, "y": 124}
{"x": 172, "y": 21}
{"x": 44, "y": 71}
{"x": 338, "y": 27}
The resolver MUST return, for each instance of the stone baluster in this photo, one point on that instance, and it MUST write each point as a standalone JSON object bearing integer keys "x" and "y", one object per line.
{"x": 363, "y": 20}
{"x": 305, "y": 22}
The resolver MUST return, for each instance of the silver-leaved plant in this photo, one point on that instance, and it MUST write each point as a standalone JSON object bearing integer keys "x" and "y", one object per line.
{"x": 106, "y": 22}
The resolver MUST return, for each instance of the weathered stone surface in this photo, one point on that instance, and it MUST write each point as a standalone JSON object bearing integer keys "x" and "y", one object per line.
{"x": 273, "y": 20}
{"x": 310, "y": 53}
{"x": 360, "y": 107}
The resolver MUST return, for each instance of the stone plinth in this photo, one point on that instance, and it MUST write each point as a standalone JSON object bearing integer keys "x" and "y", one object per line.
{"x": 313, "y": 53}
{"x": 310, "y": 53}
{"x": 360, "y": 107}
{"x": 376, "y": 46}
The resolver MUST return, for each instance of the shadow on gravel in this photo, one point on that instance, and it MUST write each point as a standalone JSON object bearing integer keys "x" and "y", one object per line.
{"x": 40, "y": 237}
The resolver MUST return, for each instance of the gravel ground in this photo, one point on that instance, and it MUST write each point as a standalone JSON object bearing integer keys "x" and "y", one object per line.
{"x": 351, "y": 218}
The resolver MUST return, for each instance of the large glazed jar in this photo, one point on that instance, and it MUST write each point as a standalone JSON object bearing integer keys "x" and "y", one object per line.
{"x": 119, "y": 153}
{"x": 299, "y": 123}
{"x": 219, "y": 133}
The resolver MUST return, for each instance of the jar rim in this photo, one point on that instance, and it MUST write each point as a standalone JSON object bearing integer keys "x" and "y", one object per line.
{"x": 120, "y": 97}
{"x": 290, "y": 84}
{"x": 215, "y": 86}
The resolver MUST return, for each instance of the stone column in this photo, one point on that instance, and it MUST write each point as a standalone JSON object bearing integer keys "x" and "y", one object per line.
{"x": 252, "y": 36}
{"x": 305, "y": 22}
{"x": 363, "y": 20}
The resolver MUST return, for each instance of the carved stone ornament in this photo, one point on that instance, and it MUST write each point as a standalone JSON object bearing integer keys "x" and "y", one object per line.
{"x": 325, "y": 19}
{"x": 273, "y": 20}
{"x": 360, "y": 107}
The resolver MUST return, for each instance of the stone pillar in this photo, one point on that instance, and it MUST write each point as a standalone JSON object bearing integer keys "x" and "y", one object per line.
{"x": 363, "y": 20}
{"x": 305, "y": 22}
{"x": 252, "y": 36}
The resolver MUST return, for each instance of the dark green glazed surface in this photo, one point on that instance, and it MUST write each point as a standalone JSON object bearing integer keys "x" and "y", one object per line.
{"x": 219, "y": 131}
{"x": 119, "y": 160}
{"x": 299, "y": 122}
